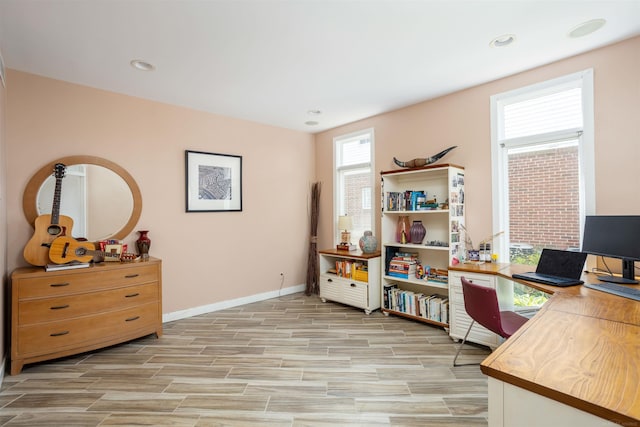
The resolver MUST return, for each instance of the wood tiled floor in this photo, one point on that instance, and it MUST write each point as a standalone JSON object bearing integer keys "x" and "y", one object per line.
{"x": 288, "y": 361}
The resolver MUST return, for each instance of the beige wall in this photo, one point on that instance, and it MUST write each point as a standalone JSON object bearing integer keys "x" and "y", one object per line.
{"x": 207, "y": 257}
{"x": 212, "y": 257}
{"x": 463, "y": 119}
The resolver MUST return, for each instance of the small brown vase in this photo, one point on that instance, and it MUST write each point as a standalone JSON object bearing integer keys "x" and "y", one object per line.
{"x": 402, "y": 230}
{"x": 143, "y": 244}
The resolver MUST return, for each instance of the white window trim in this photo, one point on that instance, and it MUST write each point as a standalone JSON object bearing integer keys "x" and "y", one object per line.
{"x": 586, "y": 153}
{"x": 336, "y": 202}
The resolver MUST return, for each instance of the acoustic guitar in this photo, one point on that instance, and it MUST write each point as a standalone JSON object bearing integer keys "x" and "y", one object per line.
{"x": 65, "y": 249}
{"x": 48, "y": 227}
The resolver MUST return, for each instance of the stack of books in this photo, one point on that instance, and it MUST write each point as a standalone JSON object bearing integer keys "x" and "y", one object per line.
{"x": 69, "y": 266}
{"x": 350, "y": 269}
{"x": 403, "y": 265}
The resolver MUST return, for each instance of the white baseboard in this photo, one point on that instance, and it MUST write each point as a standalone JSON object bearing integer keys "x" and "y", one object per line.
{"x": 183, "y": 314}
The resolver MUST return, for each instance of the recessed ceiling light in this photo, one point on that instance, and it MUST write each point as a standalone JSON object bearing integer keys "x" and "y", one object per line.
{"x": 587, "y": 28}
{"x": 503, "y": 41}
{"x": 139, "y": 64}
{"x": 314, "y": 112}
{"x": 311, "y": 123}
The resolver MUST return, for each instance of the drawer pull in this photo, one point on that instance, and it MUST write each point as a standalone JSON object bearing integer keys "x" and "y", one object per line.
{"x": 59, "y": 334}
{"x": 353, "y": 285}
{"x": 57, "y": 285}
{"x": 132, "y": 295}
{"x": 131, "y": 319}
{"x": 329, "y": 280}
{"x": 131, "y": 276}
{"x": 59, "y": 307}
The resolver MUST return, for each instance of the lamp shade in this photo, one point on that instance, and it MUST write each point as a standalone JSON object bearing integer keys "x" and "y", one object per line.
{"x": 345, "y": 222}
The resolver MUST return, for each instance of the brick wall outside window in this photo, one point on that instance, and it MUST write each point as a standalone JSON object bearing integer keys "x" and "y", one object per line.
{"x": 544, "y": 198}
{"x": 354, "y": 185}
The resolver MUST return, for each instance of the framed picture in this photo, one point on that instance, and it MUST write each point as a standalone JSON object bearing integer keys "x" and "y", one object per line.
{"x": 213, "y": 181}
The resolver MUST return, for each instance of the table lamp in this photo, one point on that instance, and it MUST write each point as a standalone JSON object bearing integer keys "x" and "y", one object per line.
{"x": 345, "y": 224}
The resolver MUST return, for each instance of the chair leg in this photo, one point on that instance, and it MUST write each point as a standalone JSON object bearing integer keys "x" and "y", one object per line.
{"x": 460, "y": 348}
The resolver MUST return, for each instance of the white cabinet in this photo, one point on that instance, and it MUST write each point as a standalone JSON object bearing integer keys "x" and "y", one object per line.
{"x": 351, "y": 278}
{"x": 512, "y": 406}
{"x": 460, "y": 320}
{"x": 433, "y": 196}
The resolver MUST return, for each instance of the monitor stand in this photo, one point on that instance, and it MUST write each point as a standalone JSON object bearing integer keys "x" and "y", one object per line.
{"x": 616, "y": 279}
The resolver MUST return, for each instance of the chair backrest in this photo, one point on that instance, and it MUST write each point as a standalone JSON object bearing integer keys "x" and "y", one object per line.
{"x": 481, "y": 303}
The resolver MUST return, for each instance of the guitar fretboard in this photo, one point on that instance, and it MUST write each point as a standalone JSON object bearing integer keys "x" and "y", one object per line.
{"x": 57, "y": 192}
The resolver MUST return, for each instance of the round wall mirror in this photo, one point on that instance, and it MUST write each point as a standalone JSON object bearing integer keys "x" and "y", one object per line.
{"x": 101, "y": 197}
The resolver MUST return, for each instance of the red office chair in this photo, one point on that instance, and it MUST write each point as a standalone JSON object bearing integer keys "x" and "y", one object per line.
{"x": 481, "y": 303}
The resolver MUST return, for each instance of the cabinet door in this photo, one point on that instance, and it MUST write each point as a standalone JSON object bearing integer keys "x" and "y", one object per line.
{"x": 460, "y": 320}
{"x": 346, "y": 291}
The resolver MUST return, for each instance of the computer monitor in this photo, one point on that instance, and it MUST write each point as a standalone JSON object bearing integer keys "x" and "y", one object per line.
{"x": 614, "y": 236}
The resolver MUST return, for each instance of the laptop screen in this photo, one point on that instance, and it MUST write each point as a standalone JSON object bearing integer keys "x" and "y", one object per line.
{"x": 561, "y": 263}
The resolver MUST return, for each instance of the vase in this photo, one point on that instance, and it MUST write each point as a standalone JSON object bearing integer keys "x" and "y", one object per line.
{"x": 143, "y": 244}
{"x": 402, "y": 229}
{"x": 368, "y": 243}
{"x": 417, "y": 232}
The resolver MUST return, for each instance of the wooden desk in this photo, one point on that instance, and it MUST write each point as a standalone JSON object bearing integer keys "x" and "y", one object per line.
{"x": 581, "y": 350}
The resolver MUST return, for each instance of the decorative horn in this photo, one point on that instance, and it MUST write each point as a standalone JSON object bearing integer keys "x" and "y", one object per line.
{"x": 416, "y": 163}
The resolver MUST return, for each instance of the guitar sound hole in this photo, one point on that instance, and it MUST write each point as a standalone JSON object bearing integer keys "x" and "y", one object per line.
{"x": 54, "y": 230}
{"x": 81, "y": 251}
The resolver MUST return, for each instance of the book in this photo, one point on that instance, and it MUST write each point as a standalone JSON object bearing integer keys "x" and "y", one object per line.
{"x": 408, "y": 200}
{"x": 346, "y": 247}
{"x": 69, "y": 266}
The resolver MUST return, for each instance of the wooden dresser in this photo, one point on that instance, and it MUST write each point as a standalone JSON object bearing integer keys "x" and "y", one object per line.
{"x": 60, "y": 313}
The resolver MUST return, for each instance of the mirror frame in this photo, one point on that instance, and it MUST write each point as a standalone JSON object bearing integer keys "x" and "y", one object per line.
{"x": 33, "y": 187}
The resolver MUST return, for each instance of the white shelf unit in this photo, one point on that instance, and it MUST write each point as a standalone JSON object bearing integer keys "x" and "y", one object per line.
{"x": 443, "y": 239}
{"x": 356, "y": 292}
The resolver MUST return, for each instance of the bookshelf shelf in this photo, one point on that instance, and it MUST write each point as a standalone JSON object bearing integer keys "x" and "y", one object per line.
{"x": 417, "y": 212}
{"x": 426, "y": 283}
{"x": 387, "y": 311}
{"x": 414, "y": 246}
{"x": 409, "y": 192}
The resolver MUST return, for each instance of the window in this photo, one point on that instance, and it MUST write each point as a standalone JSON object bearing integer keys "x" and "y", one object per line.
{"x": 542, "y": 153}
{"x": 353, "y": 158}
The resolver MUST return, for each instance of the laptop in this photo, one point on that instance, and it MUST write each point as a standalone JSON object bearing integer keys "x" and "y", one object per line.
{"x": 557, "y": 268}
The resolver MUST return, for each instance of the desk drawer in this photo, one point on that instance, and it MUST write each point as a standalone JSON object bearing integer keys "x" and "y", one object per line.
{"x": 69, "y": 282}
{"x": 34, "y": 311}
{"x": 57, "y": 336}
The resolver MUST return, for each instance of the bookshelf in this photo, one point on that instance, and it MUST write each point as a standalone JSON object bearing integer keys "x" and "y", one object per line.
{"x": 350, "y": 277}
{"x": 434, "y": 196}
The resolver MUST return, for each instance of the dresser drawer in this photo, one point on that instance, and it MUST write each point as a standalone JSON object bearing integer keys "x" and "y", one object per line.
{"x": 346, "y": 291}
{"x": 66, "y": 307}
{"x": 57, "y": 336}
{"x": 69, "y": 282}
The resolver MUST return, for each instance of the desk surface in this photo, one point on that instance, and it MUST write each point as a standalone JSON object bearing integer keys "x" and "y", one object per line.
{"x": 582, "y": 349}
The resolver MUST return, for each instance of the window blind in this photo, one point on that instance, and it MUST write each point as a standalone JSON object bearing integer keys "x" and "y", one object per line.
{"x": 355, "y": 152}
{"x": 543, "y": 114}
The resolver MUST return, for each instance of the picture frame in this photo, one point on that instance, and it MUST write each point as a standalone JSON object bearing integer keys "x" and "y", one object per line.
{"x": 213, "y": 182}
{"x": 114, "y": 250}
